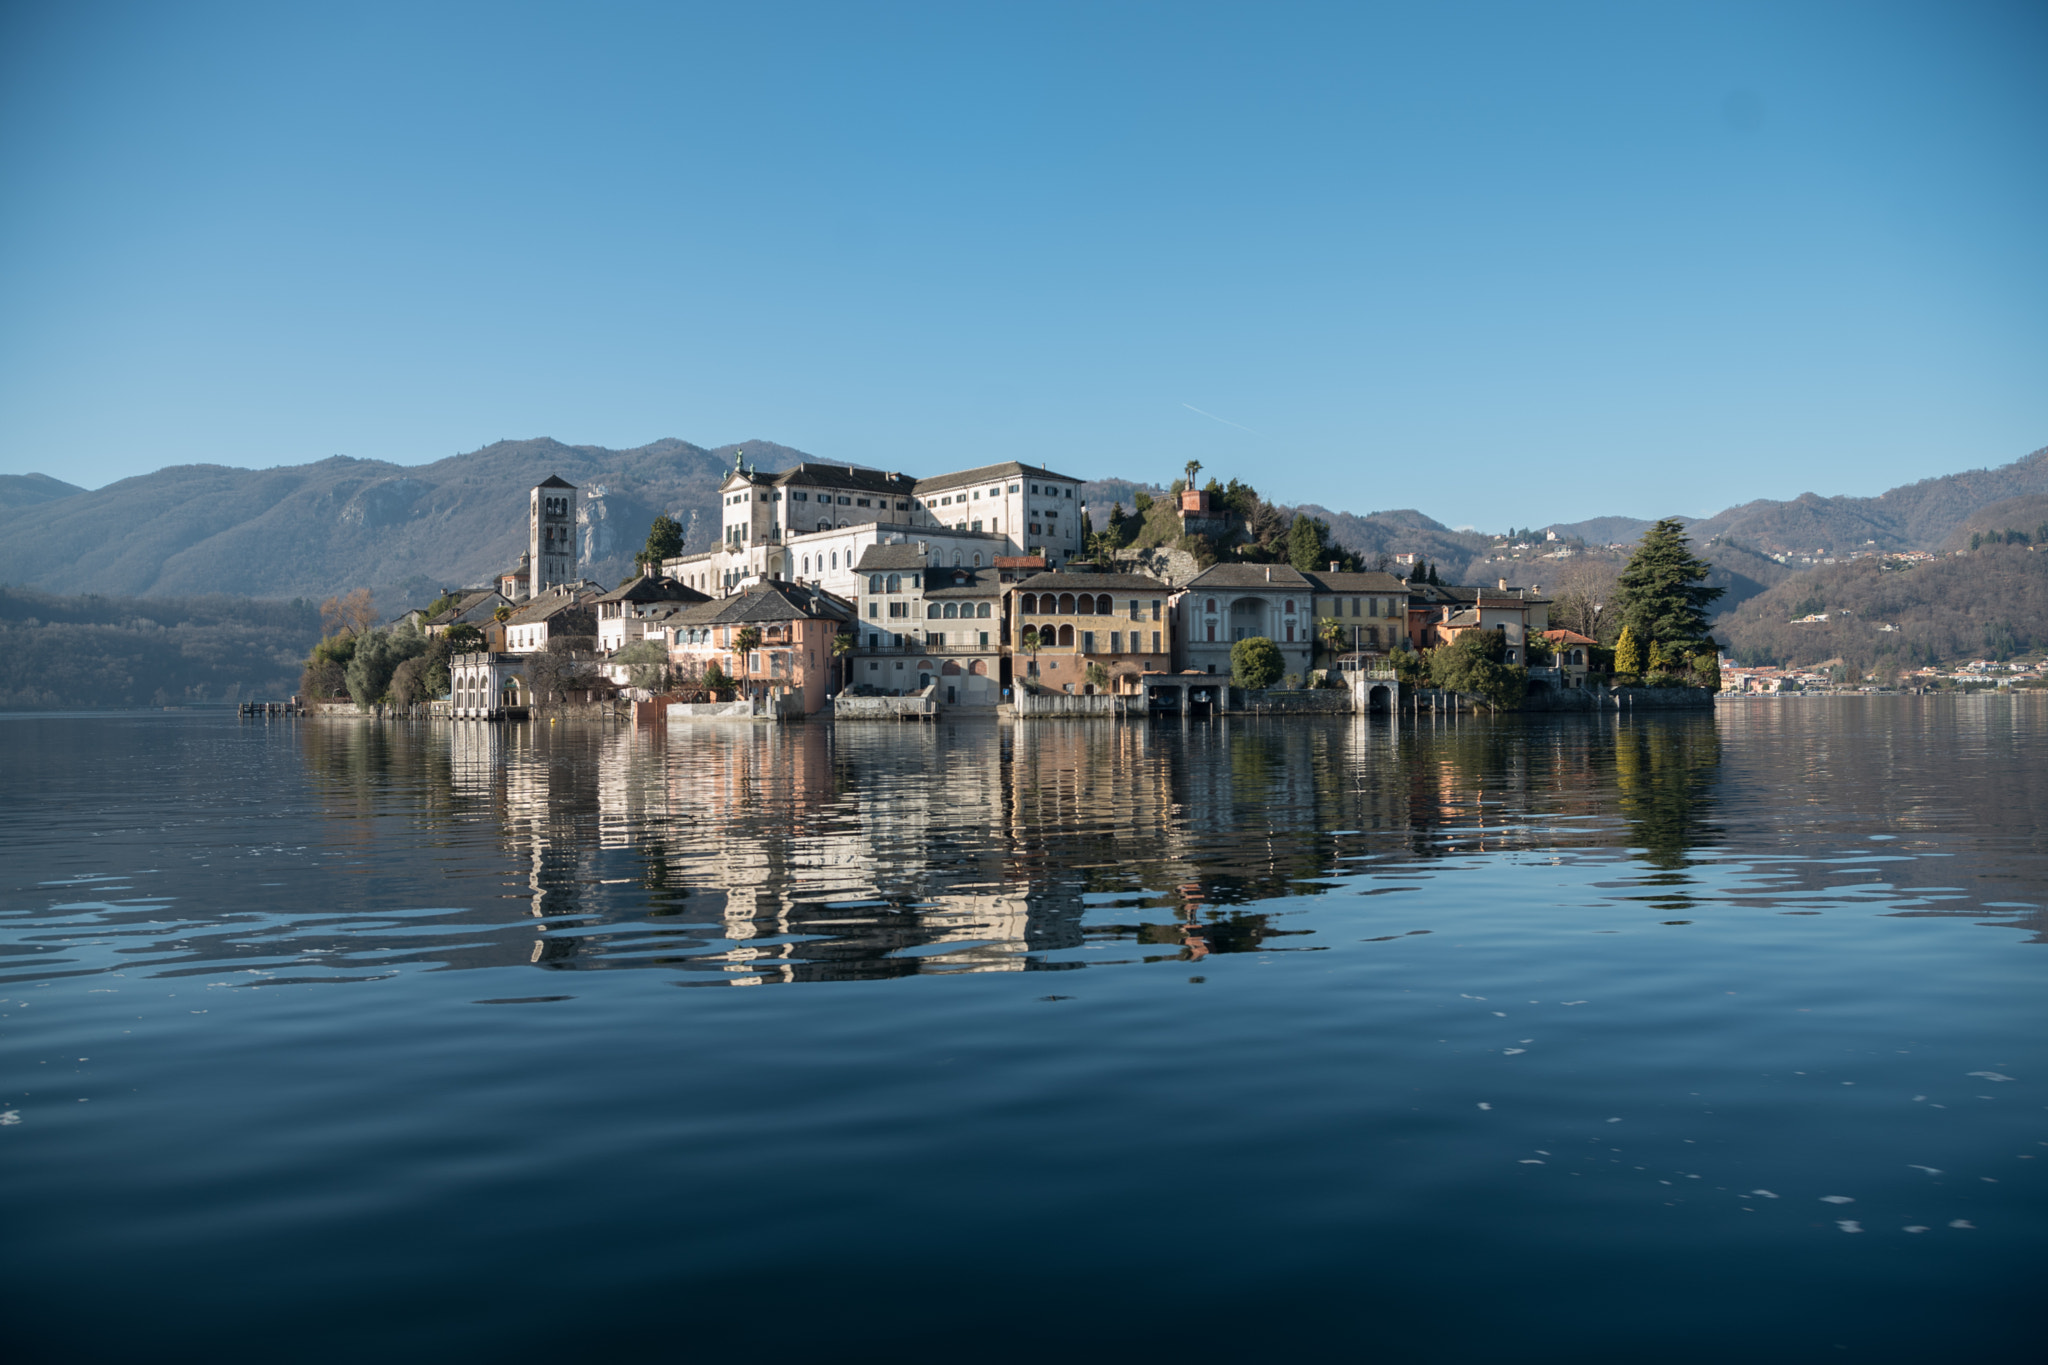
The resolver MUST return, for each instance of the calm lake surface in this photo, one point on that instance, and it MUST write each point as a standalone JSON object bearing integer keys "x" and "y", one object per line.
{"x": 1588, "y": 1038}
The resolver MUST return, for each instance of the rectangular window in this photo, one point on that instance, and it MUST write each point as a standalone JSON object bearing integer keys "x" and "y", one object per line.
{"x": 872, "y": 666}
{"x": 902, "y": 506}
{"x": 977, "y": 526}
{"x": 984, "y": 639}
{"x": 1013, "y": 488}
{"x": 1087, "y": 642}
{"x": 1155, "y": 609}
{"x": 1116, "y": 642}
{"x": 934, "y": 639}
{"x": 874, "y": 610}
{"x": 799, "y": 496}
{"x": 1034, "y": 488}
{"x": 860, "y": 502}
{"x": 899, "y": 609}
{"x": 1373, "y": 607}
{"x": 1155, "y": 642}
{"x": 977, "y": 494}
{"x": 1135, "y": 610}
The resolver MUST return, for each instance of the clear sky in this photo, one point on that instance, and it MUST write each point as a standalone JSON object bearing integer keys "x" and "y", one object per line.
{"x": 1509, "y": 263}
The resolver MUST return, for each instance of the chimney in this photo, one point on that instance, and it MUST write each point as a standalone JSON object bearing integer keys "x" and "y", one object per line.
{"x": 1503, "y": 584}
{"x": 1269, "y": 573}
{"x": 1333, "y": 566}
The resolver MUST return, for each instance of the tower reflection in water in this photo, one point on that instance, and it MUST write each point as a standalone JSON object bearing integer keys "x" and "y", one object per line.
{"x": 741, "y": 854}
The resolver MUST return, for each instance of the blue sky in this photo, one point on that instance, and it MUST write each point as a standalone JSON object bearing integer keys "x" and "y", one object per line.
{"x": 1507, "y": 263}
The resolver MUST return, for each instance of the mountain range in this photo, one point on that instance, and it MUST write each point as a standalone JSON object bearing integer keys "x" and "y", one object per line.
{"x": 407, "y": 531}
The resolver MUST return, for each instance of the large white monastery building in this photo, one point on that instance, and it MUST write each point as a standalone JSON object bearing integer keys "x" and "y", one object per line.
{"x": 813, "y": 523}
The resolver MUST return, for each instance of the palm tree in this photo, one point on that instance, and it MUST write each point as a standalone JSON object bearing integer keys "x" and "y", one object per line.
{"x": 1194, "y": 468}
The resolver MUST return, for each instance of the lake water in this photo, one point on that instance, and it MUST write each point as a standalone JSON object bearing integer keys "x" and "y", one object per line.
{"x": 1589, "y": 1038}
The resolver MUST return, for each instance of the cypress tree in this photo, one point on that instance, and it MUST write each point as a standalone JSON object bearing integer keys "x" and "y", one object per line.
{"x": 1628, "y": 653}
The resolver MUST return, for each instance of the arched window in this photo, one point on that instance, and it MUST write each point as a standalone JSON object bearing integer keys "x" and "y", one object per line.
{"x": 977, "y": 559}
{"x": 895, "y": 582}
{"x": 1103, "y": 606}
{"x": 1212, "y": 606}
{"x": 1066, "y": 604}
{"x": 952, "y": 610}
{"x": 806, "y": 565}
{"x": 1027, "y": 604}
{"x": 956, "y": 559}
{"x": 981, "y": 611}
{"x": 1066, "y": 637}
{"x": 835, "y": 559}
{"x": 824, "y": 526}
{"x": 931, "y": 611}
{"x": 1084, "y": 605}
{"x": 1290, "y": 606}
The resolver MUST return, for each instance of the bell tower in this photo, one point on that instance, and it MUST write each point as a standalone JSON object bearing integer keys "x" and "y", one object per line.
{"x": 551, "y": 534}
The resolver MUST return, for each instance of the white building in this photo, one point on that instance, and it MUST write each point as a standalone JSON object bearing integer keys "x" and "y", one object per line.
{"x": 812, "y": 524}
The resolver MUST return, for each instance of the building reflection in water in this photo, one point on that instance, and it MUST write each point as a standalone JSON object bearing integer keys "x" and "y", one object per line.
{"x": 741, "y": 854}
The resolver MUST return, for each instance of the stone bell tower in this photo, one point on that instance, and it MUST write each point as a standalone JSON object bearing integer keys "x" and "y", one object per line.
{"x": 551, "y": 534}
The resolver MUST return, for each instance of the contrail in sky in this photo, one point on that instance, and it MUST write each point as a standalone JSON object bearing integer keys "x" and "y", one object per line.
{"x": 1226, "y": 421}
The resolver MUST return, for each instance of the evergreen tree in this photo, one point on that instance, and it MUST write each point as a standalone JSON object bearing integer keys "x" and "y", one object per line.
{"x": 1434, "y": 581}
{"x": 1628, "y": 653}
{"x": 664, "y": 541}
{"x": 1661, "y": 593}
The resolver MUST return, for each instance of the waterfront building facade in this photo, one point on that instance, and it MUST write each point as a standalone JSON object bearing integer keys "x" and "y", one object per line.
{"x": 793, "y": 655}
{"x": 1370, "y": 609}
{"x": 1226, "y": 603}
{"x": 1060, "y": 623}
{"x": 812, "y": 523}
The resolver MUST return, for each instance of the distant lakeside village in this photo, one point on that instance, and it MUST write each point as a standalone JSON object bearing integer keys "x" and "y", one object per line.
{"x": 855, "y": 593}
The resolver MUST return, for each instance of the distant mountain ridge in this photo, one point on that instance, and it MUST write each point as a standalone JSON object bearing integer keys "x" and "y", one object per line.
{"x": 408, "y": 531}
{"x": 32, "y": 490}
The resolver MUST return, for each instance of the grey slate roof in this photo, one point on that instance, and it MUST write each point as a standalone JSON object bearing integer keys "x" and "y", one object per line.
{"x": 990, "y": 473}
{"x": 1330, "y": 584}
{"x": 1232, "y": 577}
{"x": 653, "y": 589}
{"x": 780, "y": 602}
{"x": 556, "y": 481}
{"x": 890, "y": 558}
{"x": 961, "y": 583}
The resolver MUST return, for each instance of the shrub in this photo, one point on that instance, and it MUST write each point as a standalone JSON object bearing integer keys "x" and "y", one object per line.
{"x": 1255, "y": 663}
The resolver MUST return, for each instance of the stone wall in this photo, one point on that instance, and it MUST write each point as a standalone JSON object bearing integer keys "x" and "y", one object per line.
{"x": 1619, "y": 699}
{"x": 882, "y": 708}
{"x": 1316, "y": 702}
{"x": 1066, "y": 704}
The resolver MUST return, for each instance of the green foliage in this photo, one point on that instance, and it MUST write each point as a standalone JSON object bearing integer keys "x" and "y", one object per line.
{"x": 747, "y": 639}
{"x": 446, "y": 601}
{"x": 1629, "y": 656}
{"x": 664, "y": 541}
{"x": 463, "y": 638}
{"x": 717, "y": 679}
{"x": 1029, "y": 640}
{"x": 1706, "y": 669}
{"x": 378, "y": 653}
{"x": 1097, "y": 676}
{"x": 1255, "y": 663}
{"x": 1309, "y": 548}
{"x": 1477, "y": 665}
{"x": 1662, "y": 593}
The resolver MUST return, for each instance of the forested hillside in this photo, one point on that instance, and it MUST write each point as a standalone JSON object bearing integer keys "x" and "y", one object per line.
{"x": 116, "y": 651}
{"x": 1990, "y": 604}
{"x": 341, "y": 524}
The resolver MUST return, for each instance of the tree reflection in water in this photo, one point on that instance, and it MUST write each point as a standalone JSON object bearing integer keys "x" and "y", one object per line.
{"x": 742, "y": 854}
{"x": 751, "y": 855}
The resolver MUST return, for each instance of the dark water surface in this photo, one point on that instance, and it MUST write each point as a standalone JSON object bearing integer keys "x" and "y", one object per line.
{"x": 1587, "y": 1039}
